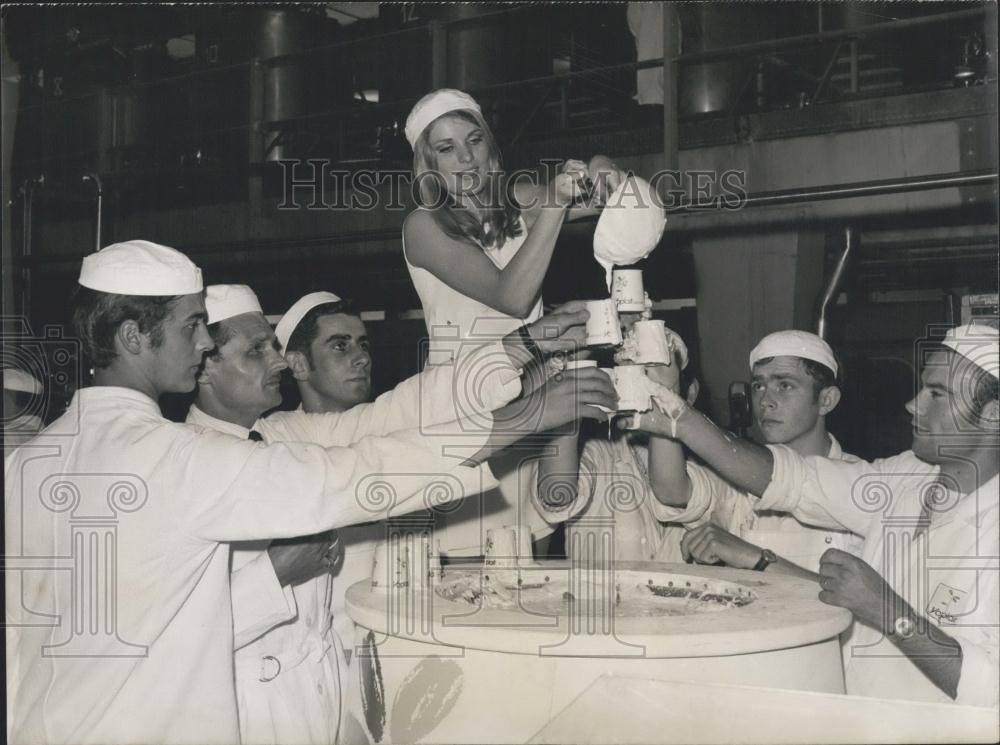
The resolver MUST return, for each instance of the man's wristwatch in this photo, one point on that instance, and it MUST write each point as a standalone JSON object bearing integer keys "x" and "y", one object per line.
{"x": 767, "y": 558}
{"x": 903, "y": 628}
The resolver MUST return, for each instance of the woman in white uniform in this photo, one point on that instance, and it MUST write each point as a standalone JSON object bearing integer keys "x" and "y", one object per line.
{"x": 477, "y": 250}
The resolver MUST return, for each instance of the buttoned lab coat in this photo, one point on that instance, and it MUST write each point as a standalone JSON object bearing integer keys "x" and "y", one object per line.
{"x": 715, "y": 500}
{"x": 287, "y": 680}
{"x": 613, "y": 484}
{"x": 301, "y": 703}
{"x": 113, "y": 492}
{"x": 946, "y": 570}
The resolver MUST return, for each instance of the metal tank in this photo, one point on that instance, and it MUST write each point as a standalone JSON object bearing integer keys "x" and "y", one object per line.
{"x": 716, "y": 86}
{"x": 285, "y": 86}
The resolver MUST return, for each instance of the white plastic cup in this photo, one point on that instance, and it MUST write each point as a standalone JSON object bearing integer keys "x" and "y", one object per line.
{"x": 390, "y": 564}
{"x": 652, "y": 347}
{"x": 603, "y": 326}
{"x": 579, "y": 364}
{"x": 501, "y": 548}
{"x": 632, "y": 387}
{"x": 627, "y": 291}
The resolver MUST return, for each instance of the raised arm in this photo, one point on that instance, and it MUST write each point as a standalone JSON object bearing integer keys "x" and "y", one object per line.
{"x": 486, "y": 379}
{"x": 242, "y": 490}
{"x": 668, "y": 476}
{"x": 464, "y": 267}
{"x": 744, "y": 464}
{"x": 816, "y": 490}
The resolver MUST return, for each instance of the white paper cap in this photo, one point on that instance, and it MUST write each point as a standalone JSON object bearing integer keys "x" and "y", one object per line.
{"x": 978, "y": 343}
{"x": 433, "y": 105}
{"x": 140, "y": 268}
{"x": 226, "y": 301}
{"x": 630, "y": 225}
{"x": 290, "y": 321}
{"x": 794, "y": 344}
{"x": 18, "y": 380}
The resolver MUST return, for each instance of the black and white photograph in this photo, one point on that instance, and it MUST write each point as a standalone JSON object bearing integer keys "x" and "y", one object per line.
{"x": 480, "y": 373}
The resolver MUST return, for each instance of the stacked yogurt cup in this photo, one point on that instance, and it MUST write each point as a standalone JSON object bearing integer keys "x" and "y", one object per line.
{"x": 645, "y": 344}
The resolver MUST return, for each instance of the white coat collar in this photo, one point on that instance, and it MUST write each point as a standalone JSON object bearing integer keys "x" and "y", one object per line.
{"x": 98, "y": 395}
{"x": 199, "y": 417}
{"x": 836, "y": 453}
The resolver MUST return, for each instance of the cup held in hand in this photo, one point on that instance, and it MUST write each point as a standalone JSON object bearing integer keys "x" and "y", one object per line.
{"x": 603, "y": 327}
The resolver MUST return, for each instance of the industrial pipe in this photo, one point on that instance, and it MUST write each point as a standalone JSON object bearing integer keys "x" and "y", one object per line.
{"x": 836, "y": 279}
{"x": 849, "y": 190}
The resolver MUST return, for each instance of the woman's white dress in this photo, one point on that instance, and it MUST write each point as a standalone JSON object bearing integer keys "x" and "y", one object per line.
{"x": 457, "y": 323}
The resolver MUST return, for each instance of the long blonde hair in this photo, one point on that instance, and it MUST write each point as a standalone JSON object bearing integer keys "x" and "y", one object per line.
{"x": 502, "y": 217}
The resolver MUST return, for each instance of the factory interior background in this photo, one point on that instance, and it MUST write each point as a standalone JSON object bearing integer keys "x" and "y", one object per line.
{"x": 869, "y": 125}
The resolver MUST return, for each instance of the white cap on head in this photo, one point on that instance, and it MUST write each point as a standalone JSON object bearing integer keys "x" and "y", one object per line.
{"x": 978, "y": 343}
{"x": 290, "y": 321}
{"x": 140, "y": 268}
{"x": 226, "y": 301}
{"x": 794, "y": 344}
{"x": 18, "y": 380}
{"x": 433, "y": 105}
{"x": 630, "y": 225}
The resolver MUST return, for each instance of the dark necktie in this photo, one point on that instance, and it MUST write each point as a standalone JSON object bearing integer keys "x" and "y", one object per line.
{"x": 255, "y": 436}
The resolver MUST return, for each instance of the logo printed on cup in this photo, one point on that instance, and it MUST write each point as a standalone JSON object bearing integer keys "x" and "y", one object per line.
{"x": 627, "y": 291}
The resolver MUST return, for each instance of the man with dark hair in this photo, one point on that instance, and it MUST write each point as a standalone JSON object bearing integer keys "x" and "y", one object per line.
{"x": 793, "y": 389}
{"x": 926, "y": 592}
{"x": 97, "y": 316}
{"x": 329, "y": 354}
{"x": 114, "y": 497}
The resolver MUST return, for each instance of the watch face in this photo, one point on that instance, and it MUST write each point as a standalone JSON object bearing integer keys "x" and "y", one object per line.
{"x": 903, "y": 627}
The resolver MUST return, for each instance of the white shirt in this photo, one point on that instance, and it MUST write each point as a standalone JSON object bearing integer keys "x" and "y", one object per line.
{"x": 947, "y": 571}
{"x": 715, "y": 500}
{"x": 287, "y": 677}
{"x": 167, "y": 499}
{"x": 614, "y": 482}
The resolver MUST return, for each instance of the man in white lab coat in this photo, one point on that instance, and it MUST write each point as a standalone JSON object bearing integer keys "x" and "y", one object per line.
{"x": 287, "y": 683}
{"x": 925, "y": 592}
{"x": 329, "y": 353}
{"x": 119, "y": 520}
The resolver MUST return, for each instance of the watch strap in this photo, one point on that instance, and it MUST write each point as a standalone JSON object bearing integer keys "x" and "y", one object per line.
{"x": 767, "y": 558}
